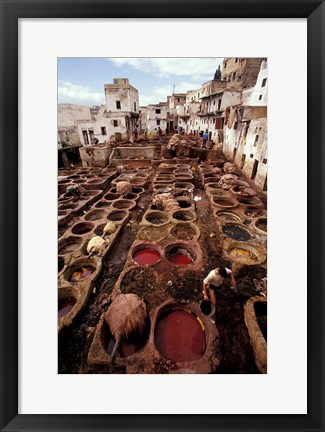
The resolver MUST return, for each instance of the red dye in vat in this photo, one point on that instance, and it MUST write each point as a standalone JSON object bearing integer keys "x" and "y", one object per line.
{"x": 179, "y": 259}
{"x": 146, "y": 256}
{"x": 82, "y": 273}
{"x": 179, "y": 336}
{"x": 65, "y": 306}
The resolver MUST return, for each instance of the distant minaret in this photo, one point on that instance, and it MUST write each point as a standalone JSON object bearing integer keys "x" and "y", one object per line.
{"x": 217, "y": 75}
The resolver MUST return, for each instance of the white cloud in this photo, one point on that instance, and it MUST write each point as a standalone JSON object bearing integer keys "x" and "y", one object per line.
{"x": 159, "y": 94}
{"x": 196, "y": 68}
{"x": 72, "y": 93}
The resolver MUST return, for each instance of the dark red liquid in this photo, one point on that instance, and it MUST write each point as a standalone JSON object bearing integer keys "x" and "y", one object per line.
{"x": 146, "y": 256}
{"x": 65, "y": 306}
{"x": 179, "y": 336}
{"x": 179, "y": 259}
{"x": 82, "y": 273}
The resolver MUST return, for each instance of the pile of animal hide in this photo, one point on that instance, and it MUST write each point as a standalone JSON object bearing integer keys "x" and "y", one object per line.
{"x": 165, "y": 202}
{"x": 123, "y": 188}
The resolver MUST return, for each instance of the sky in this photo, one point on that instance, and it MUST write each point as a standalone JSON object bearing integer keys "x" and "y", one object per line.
{"x": 81, "y": 80}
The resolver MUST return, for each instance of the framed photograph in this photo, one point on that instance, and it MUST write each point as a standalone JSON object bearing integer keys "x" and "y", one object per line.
{"x": 143, "y": 148}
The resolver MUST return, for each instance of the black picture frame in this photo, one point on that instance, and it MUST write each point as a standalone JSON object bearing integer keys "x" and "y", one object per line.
{"x": 11, "y": 11}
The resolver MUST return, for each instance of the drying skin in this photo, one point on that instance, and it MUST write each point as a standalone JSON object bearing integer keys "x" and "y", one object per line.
{"x": 123, "y": 188}
{"x": 229, "y": 168}
{"x": 96, "y": 245}
{"x": 227, "y": 181}
{"x": 109, "y": 228}
{"x": 165, "y": 202}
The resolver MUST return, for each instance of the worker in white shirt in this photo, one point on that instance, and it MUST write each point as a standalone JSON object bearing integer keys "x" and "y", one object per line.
{"x": 214, "y": 280}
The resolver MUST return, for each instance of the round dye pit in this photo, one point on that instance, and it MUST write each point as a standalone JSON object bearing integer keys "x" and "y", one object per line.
{"x": 117, "y": 215}
{"x": 95, "y": 215}
{"x": 132, "y": 196}
{"x": 179, "y": 336}
{"x": 228, "y": 216}
{"x": 102, "y": 204}
{"x": 183, "y": 231}
{"x": 69, "y": 245}
{"x": 252, "y": 212}
{"x": 243, "y": 252}
{"x": 207, "y": 307}
{"x": 222, "y": 202}
{"x": 186, "y": 186}
{"x": 81, "y": 273}
{"x": 79, "y": 181}
{"x": 65, "y": 305}
{"x": 82, "y": 228}
{"x": 62, "y": 213}
{"x": 179, "y": 255}
{"x": 184, "y": 215}
{"x": 138, "y": 190}
{"x": 156, "y": 217}
{"x": 112, "y": 196}
{"x": 261, "y": 224}
{"x": 146, "y": 256}
{"x": 123, "y": 204}
{"x": 183, "y": 203}
{"x": 236, "y": 232}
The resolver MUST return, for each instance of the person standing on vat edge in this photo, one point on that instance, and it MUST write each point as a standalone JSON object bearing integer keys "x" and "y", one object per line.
{"x": 213, "y": 281}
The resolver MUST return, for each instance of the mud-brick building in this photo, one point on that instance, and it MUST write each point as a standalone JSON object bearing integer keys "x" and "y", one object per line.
{"x": 69, "y": 116}
{"x": 245, "y": 141}
{"x": 174, "y": 101}
{"x": 157, "y": 117}
{"x": 240, "y": 73}
{"x": 122, "y": 109}
{"x": 211, "y": 114}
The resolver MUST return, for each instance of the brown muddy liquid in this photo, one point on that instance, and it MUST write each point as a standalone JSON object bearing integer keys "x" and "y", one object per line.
{"x": 237, "y": 233}
{"x": 179, "y": 337}
{"x": 82, "y": 273}
{"x": 65, "y": 306}
{"x": 262, "y": 225}
{"x": 228, "y": 217}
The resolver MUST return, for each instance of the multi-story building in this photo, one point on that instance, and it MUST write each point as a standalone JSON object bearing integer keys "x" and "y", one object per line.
{"x": 157, "y": 117}
{"x": 122, "y": 108}
{"x": 173, "y": 101}
{"x": 241, "y": 73}
{"x": 68, "y": 117}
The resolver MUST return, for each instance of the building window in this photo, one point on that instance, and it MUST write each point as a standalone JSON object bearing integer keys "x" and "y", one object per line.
{"x": 103, "y": 129}
{"x": 251, "y": 156}
{"x": 254, "y": 170}
{"x": 115, "y": 81}
{"x": 256, "y": 139}
{"x": 115, "y": 123}
{"x": 158, "y": 122}
{"x": 118, "y": 105}
{"x": 135, "y": 106}
{"x": 236, "y": 60}
{"x": 260, "y": 97}
{"x": 177, "y": 99}
{"x": 225, "y": 65}
{"x": 243, "y": 160}
{"x": 157, "y": 111}
{"x": 235, "y": 125}
{"x": 264, "y": 82}
{"x": 264, "y": 161}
